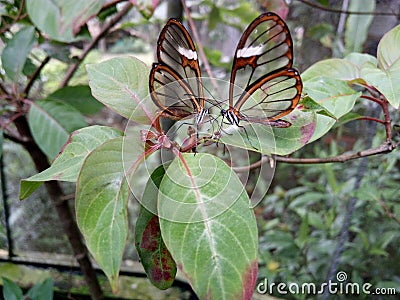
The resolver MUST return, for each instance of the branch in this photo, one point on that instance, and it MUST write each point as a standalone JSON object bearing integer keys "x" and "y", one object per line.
{"x": 339, "y": 11}
{"x": 255, "y": 165}
{"x": 388, "y": 212}
{"x": 200, "y": 46}
{"x": 382, "y": 149}
{"x": 19, "y": 16}
{"x": 4, "y": 89}
{"x": 63, "y": 211}
{"x": 35, "y": 76}
{"x": 72, "y": 69}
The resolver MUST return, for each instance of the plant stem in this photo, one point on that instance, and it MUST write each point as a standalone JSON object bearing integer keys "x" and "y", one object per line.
{"x": 340, "y": 11}
{"x": 72, "y": 69}
{"x": 35, "y": 76}
{"x": 63, "y": 211}
{"x": 200, "y": 46}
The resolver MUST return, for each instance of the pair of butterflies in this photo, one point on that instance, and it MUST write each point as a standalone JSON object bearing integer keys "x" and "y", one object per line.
{"x": 263, "y": 85}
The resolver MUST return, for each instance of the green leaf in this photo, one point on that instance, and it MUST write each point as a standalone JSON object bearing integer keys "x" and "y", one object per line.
{"x": 272, "y": 140}
{"x": 101, "y": 207}
{"x": 63, "y": 19}
{"x": 348, "y": 118}
{"x": 310, "y": 104}
{"x": 208, "y": 226}
{"x": 392, "y": 286}
{"x": 333, "y": 94}
{"x": 57, "y": 50}
{"x": 386, "y": 81}
{"x": 51, "y": 122}
{"x": 298, "y": 134}
{"x": 315, "y": 220}
{"x": 67, "y": 165}
{"x": 42, "y": 291}
{"x": 157, "y": 261}
{"x": 122, "y": 84}
{"x": 213, "y": 17}
{"x": 357, "y": 25}
{"x": 334, "y": 67}
{"x": 359, "y": 59}
{"x": 252, "y": 136}
{"x": 16, "y": 52}
{"x": 324, "y": 2}
{"x": 389, "y": 49}
{"x": 79, "y": 97}
{"x": 11, "y": 291}
{"x": 320, "y": 31}
{"x": 303, "y": 233}
{"x": 246, "y": 11}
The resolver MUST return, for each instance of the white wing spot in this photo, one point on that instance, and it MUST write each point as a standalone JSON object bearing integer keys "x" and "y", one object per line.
{"x": 189, "y": 54}
{"x": 250, "y": 51}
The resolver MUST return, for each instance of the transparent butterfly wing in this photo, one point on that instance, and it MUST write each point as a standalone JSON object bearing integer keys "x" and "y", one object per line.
{"x": 271, "y": 97}
{"x": 171, "y": 94}
{"x": 177, "y": 54}
{"x": 262, "y": 67}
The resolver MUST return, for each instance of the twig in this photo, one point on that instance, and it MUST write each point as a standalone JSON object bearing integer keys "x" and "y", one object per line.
{"x": 35, "y": 76}
{"x": 388, "y": 212}
{"x": 371, "y": 119}
{"x": 339, "y": 11}
{"x": 72, "y": 69}
{"x": 3, "y": 88}
{"x": 6, "y": 206}
{"x": 63, "y": 211}
{"x": 19, "y": 16}
{"x": 200, "y": 46}
{"x": 384, "y": 104}
{"x": 252, "y": 166}
{"x": 382, "y": 149}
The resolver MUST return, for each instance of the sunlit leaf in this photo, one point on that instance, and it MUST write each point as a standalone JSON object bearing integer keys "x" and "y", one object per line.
{"x": 271, "y": 140}
{"x": 298, "y": 134}
{"x": 63, "y": 19}
{"x": 122, "y": 84}
{"x": 386, "y": 81}
{"x": 359, "y": 59}
{"x": 333, "y": 94}
{"x": 334, "y": 67}
{"x": 310, "y": 104}
{"x": 389, "y": 48}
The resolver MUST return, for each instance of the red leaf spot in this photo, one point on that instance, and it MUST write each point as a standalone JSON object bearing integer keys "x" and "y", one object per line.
{"x": 249, "y": 280}
{"x": 307, "y": 132}
{"x": 150, "y": 238}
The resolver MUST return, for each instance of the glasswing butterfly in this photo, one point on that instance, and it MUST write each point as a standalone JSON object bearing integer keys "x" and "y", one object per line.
{"x": 263, "y": 85}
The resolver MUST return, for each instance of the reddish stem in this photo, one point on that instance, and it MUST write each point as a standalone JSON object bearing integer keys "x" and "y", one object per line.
{"x": 371, "y": 119}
